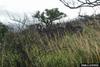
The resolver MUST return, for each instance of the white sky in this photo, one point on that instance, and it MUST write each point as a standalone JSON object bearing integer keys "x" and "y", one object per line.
{"x": 25, "y": 6}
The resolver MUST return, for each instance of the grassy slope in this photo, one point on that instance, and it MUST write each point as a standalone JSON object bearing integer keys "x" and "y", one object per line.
{"x": 30, "y": 50}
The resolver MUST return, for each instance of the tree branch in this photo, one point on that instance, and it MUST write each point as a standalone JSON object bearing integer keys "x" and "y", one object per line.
{"x": 86, "y": 3}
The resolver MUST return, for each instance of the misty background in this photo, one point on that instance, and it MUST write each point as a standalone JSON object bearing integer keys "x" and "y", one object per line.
{"x": 21, "y": 7}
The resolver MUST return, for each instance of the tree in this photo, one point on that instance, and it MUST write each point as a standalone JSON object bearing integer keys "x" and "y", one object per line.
{"x": 73, "y": 4}
{"x": 49, "y": 15}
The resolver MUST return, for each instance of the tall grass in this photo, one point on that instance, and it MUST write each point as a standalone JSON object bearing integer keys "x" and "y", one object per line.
{"x": 29, "y": 49}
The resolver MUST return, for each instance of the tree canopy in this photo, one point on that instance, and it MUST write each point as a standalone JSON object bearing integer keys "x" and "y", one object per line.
{"x": 49, "y": 15}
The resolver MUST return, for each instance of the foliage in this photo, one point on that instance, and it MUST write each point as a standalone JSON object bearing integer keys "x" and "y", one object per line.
{"x": 29, "y": 49}
{"x": 3, "y": 30}
{"x": 49, "y": 15}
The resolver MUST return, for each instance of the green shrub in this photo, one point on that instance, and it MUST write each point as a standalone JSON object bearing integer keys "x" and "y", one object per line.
{"x": 3, "y": 30}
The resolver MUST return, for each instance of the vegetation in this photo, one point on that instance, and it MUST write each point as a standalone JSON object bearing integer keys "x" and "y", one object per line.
{"x": 29, "y": 49}
{"x": 49, "y": 15}
{"x": 3, "y": 30}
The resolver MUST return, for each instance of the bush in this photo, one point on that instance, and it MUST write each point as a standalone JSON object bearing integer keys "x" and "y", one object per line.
{"x": 3, "y": 30}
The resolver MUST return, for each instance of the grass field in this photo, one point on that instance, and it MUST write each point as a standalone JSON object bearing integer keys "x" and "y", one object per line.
{"x": 31, "y": 50}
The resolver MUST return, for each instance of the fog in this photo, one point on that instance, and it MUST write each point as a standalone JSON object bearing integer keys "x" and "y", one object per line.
{"x": 21, "y": 7}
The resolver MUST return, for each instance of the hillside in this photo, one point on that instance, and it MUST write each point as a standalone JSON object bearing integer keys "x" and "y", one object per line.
{"x": 42, "y": 47}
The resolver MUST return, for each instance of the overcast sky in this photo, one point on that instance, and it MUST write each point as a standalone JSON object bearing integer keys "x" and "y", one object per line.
{"x": 29, "y": 6}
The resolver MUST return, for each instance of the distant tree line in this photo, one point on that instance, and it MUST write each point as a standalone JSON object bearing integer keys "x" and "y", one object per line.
{"x": 50, "y": 28}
